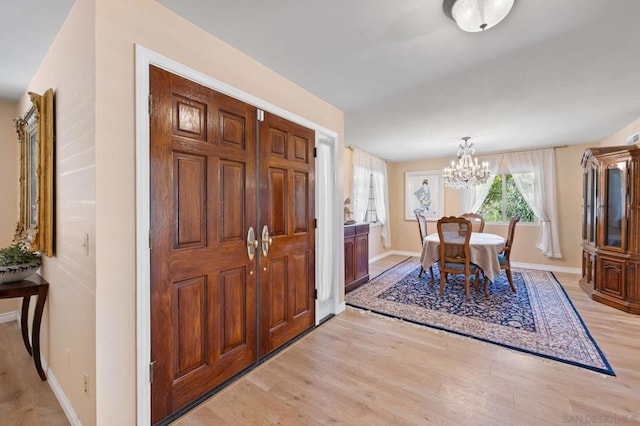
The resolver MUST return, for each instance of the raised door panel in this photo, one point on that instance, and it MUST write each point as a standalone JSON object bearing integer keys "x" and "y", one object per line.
{"x": 611, "y": 274}
{"x": 361, "y": 260}
{"x": 349, "y": 260}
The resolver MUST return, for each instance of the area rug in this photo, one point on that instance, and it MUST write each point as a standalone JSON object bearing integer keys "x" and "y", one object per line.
{"x": 538, "y": 319}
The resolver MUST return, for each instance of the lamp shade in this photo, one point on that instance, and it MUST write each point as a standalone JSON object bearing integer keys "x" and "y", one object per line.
{"x": 477, "y": 15}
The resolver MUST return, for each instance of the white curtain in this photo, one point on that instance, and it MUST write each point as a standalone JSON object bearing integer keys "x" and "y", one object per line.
{"x": 366, "y": 166}
{"x": 379, "y": 174}
{"x": 325, "y": 214}
{"x": 473, "y": 198}
{"x": 361, "y": 177}
{"x": 543, "y": 203}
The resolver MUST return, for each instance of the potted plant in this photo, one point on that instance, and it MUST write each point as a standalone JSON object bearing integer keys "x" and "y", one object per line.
{"x": 17, "y": 262}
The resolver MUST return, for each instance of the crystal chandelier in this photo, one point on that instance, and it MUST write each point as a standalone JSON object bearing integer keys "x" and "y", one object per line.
{"x": 467, "y": 172}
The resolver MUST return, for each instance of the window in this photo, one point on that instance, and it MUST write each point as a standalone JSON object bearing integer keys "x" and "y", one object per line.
{"x": 505, "y": 201}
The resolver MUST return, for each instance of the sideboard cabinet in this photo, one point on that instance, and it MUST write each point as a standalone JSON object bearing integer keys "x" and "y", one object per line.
{"x": 611, "y": 226}
{"x": 356, "y": 255}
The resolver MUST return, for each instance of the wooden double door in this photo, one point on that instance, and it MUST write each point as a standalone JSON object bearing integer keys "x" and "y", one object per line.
{"x": 232, "y": 238}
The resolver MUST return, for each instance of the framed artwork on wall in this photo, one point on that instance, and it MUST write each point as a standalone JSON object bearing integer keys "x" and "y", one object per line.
{"x": 424, "y": 191}
{"x": 36, "y": 137}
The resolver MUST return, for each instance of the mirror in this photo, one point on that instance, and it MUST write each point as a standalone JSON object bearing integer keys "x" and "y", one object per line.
{"x": 36, "y": 138}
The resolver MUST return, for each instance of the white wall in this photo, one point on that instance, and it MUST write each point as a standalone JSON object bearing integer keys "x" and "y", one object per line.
{"x": 69, "y": 321}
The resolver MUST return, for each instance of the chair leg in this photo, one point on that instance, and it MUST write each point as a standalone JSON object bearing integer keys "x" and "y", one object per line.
{"x": 510, "y": 278}
{"x": 466, "y": 285}
{"x": 421, "y": 271}
{"x": 443, "y": 277}
{"x": 433, "y": 277}
{"x": 486, "y": 285}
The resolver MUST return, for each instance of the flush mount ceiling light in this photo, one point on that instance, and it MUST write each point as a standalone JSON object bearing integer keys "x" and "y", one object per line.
{"x": 476, "y": 15}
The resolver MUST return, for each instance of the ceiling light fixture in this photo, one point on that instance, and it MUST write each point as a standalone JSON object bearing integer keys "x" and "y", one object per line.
{"x": 467, "y": 172}
{"x": 476, "y": 15}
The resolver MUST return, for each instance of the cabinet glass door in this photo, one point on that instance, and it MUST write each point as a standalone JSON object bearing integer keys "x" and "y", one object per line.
{"x": 615, "y": 219}
{"x": 593, "y": 216}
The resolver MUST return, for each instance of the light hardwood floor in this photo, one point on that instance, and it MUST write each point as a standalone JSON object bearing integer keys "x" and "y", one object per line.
{"x": 361, "y": 369}
{"x": 24, "y": 398}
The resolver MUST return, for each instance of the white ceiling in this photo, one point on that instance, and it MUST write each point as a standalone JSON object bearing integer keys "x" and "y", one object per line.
{"x": 410, "y": 82}
{"x": 27, "y": 29}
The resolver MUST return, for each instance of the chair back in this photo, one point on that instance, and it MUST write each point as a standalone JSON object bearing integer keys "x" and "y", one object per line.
{"x": 422, "y": 224}
{"x": 510, "y": 233}
{"x": 477, "y": 221}
{"x": 454, "y": 234}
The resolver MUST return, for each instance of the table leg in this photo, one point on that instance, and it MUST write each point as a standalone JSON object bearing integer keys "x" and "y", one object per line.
{"x": 24, "y": 323}
{"x": 35, "y": 333}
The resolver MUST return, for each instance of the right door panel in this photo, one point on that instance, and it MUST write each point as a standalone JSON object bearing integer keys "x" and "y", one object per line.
{"x": 287, "y": 267}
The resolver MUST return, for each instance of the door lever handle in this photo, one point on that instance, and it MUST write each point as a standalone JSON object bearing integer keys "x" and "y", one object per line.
{"x": 266, "y": 240}
{"x": 252, "y": 243}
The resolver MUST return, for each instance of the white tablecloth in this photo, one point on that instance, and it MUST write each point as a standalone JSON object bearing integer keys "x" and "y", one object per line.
{"x": 484, "y": 249}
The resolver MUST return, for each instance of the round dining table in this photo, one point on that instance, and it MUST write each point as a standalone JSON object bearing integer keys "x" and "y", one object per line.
{"x": 483, "y": 249}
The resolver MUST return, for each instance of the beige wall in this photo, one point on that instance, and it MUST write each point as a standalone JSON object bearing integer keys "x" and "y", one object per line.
{"x": 375, "y": 242}
{"x": 620, "y": 137}
{"x": 9, "y": 158}
{"x": 120, "y": 24}
{"x": 569, "y": 181}
{"x": 69, "y": 322}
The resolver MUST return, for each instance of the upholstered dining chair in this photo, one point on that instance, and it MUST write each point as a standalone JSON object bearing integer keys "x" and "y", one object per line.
{"x": 422, "y": 228}
{"x": 503, "y": 257}
{"x": 477, "y": 221}
{"x": 454, "y": 234}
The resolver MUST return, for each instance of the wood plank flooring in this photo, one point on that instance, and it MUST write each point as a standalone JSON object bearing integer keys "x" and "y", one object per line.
{"x": 362, "y": 369}
{"x": 359, "y": 369}
{"x": 24, "y": 398}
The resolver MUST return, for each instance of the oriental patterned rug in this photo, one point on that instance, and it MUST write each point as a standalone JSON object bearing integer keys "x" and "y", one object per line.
{"x": 539, "y": 319}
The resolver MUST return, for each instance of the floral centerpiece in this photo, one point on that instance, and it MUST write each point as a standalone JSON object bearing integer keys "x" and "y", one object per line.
{"x": 17, "y": 262}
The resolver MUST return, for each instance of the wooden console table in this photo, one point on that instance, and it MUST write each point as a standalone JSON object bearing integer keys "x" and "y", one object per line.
{"x": 32, "y": 286}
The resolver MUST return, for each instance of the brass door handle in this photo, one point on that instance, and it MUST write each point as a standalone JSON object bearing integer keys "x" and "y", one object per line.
{"x": 252, "y": 243}
{"x": 266, "y": 240}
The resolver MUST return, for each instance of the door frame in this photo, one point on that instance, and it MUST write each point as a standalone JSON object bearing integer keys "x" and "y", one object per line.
{"x": 143, "y": 58}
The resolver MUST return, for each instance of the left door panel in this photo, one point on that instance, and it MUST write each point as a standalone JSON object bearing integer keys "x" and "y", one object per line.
{"x": 203, "y": 284}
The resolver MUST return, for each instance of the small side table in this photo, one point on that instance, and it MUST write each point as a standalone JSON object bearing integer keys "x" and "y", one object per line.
{"x": 35, "y": 285}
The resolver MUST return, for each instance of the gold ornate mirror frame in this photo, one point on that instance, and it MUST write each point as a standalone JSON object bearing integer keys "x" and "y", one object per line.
{"x": 36, "y": 137}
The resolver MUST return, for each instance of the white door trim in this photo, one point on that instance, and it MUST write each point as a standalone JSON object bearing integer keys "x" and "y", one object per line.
{"x": 143, "y": 58}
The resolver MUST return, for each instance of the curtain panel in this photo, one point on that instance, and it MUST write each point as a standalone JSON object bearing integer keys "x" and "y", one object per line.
{"x": 366, "y": 168}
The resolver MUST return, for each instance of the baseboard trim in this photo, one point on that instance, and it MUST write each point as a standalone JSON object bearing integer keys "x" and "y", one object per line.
{"x": 380, "y": 256}
{"x": 390, "y": 252}
{"x": 536, "y": 266}
{"x": 551, "y": 268}
{"x": 61, "y": 397}
{"x": 341, "y": 308}
{"x": 9, "y": 316}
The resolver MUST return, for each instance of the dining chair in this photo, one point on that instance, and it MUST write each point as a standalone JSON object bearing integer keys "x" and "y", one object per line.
{"x": 503, "y": 257}
{"x": 454, "y": 234}
{"x": 477, "y": 221}
{"x": 422, "y": 228}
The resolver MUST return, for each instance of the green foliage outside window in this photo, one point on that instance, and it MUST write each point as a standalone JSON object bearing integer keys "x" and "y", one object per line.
{"x": 505, "y": 201}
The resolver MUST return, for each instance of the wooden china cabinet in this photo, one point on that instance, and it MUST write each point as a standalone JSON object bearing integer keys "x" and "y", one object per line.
{"x": 611, "y": 226}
